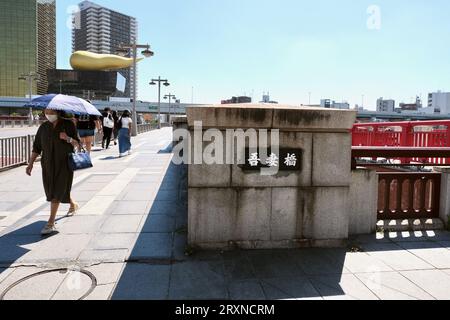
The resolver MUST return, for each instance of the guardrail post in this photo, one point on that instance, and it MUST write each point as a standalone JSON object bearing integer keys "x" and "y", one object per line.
{"x": 444, "y": 212}
{"x": 28, "y": 147}
{"x": 448, "y": 135}
{"x": 409, "y": 139}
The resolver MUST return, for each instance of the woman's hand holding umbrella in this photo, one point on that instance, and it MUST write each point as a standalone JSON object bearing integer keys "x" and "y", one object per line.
{"x": 65, "y": 137}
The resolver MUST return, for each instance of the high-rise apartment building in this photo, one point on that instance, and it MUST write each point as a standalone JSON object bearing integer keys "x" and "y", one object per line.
{"x": 101, "y": 30}
{"x": 386, "y": 106}
{"x": 27, "y": 44}
{"x": 439, "y": 102}
{"x": 46, "y": 41}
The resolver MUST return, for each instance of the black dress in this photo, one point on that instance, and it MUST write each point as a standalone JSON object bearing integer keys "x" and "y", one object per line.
{"x": 56, "y": 174}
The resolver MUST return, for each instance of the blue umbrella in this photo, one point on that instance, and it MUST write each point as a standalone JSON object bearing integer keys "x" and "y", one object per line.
{"x": 60, "y": 102}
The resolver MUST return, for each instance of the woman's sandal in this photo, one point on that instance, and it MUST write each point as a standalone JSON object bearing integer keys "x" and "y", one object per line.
{"x": 73, "y": 210}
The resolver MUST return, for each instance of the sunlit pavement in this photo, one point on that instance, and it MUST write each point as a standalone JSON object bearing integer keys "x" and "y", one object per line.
{"x": 128, "y": 241}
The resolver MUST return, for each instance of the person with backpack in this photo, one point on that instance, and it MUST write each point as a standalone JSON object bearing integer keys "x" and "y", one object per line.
{"x": 124, "y": 125}
{"x": 108, "y": 127}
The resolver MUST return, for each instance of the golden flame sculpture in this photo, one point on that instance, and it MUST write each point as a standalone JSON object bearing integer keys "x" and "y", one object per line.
{"x": 88, "y": 61}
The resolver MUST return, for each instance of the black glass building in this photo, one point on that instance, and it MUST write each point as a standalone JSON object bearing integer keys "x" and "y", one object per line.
{"x": 98, "y": 85}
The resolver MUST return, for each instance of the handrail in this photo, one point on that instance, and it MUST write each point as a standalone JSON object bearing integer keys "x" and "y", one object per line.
{"x": 400, "y": 152}
{"x": 142, "y": 128}
{"x": 405, "y": 123}
{"x": 15, "y": 151}
{"x": 436, "y": 134}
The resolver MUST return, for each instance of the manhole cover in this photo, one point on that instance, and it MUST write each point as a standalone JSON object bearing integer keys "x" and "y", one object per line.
{"x": 59, "y": 284}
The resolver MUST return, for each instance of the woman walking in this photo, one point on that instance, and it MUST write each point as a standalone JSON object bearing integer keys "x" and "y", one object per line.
{"x": 55, "y": 140}
{"x": 86, "y": 126}
{"x": 125, "y": 134}
{"x": 116, "y": 127}
{"x": 108, "y": 127}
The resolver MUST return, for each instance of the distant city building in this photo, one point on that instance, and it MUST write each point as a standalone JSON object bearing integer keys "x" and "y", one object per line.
{"x": 411, "y": 106}
{"x": 100, "y": 85}
{"x": 236, "y": 100}
{"x": 341, "y": 105}
{"x": 325, "y": 103}
{"x": 439, "y": 102}
{"x": 330, "y": 104}
{"x": 385, "y": 105}
{"x": 27, "y": 44}
{"x": 266, "y": 99}
{"x": 102, "y": 30}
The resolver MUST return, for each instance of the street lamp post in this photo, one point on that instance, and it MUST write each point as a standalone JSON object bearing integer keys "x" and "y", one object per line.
{"x": 153, "y": 83}
{"x": 30, "y": 77}
{"x": 170, "y": 97}
{"x": 132, "y": 50}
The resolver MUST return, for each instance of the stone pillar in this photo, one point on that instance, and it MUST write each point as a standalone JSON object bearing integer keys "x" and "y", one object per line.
{"x": 178, "y": 122}
{"x": 445, "y": 195}
{"x": 231, "y": 207}
{"x": 364, "y": 202}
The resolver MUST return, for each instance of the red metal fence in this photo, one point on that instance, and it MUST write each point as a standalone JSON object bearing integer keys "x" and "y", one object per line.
{"x": 420, "y": 134}
{"x": 408, "y": 195}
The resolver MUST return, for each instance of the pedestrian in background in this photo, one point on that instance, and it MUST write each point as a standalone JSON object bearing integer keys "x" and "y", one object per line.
{"x": 86, "y": 126}
{"x": 125, "y": 123}
{"x": 55, "y": 140}
{"x": 108, "y": 127}
{"x": 116, "y": 127}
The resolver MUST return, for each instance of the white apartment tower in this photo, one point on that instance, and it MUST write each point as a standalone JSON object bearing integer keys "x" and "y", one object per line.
{"x": 101, "y": 30}
{"x": 387, "y": 106}
{"x": 439, "y": 102}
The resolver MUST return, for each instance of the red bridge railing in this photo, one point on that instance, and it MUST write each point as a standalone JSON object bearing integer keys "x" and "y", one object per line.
{"x": 408, "y": 195}
{"x": 420, "y": 134}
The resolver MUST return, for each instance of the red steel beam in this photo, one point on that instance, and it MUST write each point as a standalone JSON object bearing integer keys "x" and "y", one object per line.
{"x": 404, "y": 124}
{"x": 399, "y": 152}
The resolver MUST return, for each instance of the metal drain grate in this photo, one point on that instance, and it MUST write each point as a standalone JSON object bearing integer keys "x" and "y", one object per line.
{"x": 63, "y": 270}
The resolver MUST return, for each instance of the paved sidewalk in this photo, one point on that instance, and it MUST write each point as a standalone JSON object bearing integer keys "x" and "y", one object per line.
{"x": 130, "y": 236}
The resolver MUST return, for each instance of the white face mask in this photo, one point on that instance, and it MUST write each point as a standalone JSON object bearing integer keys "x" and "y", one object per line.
{"x": 52, "y": 117}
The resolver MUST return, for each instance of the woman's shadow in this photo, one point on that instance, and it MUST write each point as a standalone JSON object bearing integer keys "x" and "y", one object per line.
{"x": 109, "y": 158}
{"x": 14, "y": 242}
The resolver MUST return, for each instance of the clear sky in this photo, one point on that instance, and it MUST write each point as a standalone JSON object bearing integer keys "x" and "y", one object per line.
{"x": 333, "y": 49}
